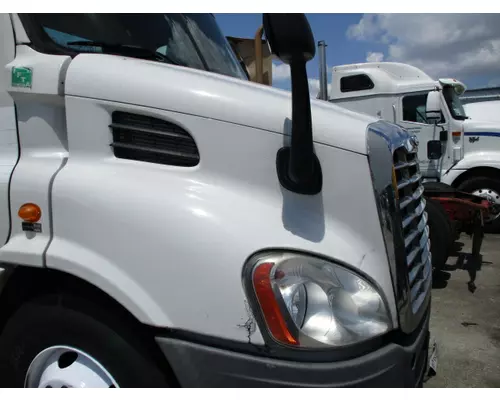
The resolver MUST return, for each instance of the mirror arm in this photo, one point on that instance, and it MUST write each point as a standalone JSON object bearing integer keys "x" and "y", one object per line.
{"x": 298, "y": 167}
{"x": 301, "y": 152}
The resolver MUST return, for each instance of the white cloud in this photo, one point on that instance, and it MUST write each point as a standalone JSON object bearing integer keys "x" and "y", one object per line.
{"x": 314, "y": 87}
{"x": 281, "y": 72}
{"x": 443, "y": 45}
{"x": 373, "y": 56}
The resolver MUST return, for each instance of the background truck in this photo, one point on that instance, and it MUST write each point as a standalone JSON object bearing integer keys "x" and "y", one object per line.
{"x": 483, "y": 111}
{"x": 402, "y": 94}
{"x": 167, "y": 223}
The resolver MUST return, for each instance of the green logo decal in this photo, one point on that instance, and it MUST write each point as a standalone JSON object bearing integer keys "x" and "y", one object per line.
{"x": 22, "y": 77}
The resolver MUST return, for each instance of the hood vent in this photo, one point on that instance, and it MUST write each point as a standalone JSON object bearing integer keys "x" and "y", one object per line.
{"x": 152, "y": 140}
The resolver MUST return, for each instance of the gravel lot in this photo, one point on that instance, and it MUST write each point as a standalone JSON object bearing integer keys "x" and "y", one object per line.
{"x": 465, "y": 325}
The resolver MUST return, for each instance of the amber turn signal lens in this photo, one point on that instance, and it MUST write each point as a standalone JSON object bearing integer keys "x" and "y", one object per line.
{"x": 269, "y": 305}
{"x": 30, "y": 212}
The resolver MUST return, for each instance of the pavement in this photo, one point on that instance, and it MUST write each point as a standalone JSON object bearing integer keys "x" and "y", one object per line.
{"x": 466, "y": 323}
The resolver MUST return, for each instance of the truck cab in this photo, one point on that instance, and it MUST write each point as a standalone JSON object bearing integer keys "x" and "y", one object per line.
{"x": 470, "y": 150}
{"x": 167, "y": 222}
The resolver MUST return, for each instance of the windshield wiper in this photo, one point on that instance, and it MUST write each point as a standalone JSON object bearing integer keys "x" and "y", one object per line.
{"x": 125, "y": 50}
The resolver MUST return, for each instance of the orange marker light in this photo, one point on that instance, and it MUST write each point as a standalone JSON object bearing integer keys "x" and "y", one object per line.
{"x": 456, "y": 134}
{"x": 30, "y": 212}
{"x": 269, "y": 305}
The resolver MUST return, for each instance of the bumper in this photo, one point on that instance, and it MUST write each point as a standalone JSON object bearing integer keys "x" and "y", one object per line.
{"x": 391, "y": 366}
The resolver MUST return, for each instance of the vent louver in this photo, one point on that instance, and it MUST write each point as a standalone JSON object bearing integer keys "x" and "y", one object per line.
{"x": 152, "y": 140}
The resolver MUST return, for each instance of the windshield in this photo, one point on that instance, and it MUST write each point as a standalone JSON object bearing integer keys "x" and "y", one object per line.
{"x": 453, "y": 102}
{"x": 191, "y": 40}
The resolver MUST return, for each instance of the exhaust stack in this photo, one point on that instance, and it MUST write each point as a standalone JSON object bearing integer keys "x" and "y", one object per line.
{"x": 323, "y": 76}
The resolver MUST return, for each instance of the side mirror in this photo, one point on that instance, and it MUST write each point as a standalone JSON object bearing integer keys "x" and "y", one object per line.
{"x": 443, "y": 135}
{"x": 434, "y": 150}
{"x": 433, "y": 107}
{"x": 291, "y": 39}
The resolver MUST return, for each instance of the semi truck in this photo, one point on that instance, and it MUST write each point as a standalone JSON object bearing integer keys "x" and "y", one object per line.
{"x": 432, "y": 110}
{"x": 483, "y": 111}
{"x": 167, "y": 222}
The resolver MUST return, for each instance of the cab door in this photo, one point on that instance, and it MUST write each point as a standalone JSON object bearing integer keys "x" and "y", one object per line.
{"x": 412, "y": 117}
{"x": 8, "y": 128}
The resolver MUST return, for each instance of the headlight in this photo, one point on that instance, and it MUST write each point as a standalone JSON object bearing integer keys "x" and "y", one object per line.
{"x": 308, "y": 302}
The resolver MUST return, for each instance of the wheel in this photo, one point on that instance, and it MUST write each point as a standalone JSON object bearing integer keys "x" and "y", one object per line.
{"x": 438, "y": 186}
{"x": 444, "y": 190}
{"x": 50, "y": 345}
{"x": 440, "y": 233}
{"x": 452, "y": 232}
{"x": 488, "y": 188}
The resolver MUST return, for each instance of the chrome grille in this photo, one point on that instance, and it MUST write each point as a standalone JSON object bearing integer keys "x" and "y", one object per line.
{"x": 414, "y": 224}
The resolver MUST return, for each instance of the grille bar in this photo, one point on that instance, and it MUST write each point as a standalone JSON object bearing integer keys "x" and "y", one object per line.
{"x": 414, "y": 225}
{"x": 416, "y": 232}
{"x": 419, "y": 296}
{"x": 146, "y": 130}
{"x": 412, "y": 198}
{"x": 402, "y": 164}
{"x": 414, "y": 215}
{"x": 405, "y": 182}
{"x": 416, "y": 270}
{"x": 420, "y": 250}
{"x": 156, "y": 151}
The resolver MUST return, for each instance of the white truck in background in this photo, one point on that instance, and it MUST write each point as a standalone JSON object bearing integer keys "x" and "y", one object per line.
{"x": 166, "y": 223}
{"x": 484, "y": 111}
{"x": 405, "y": 95}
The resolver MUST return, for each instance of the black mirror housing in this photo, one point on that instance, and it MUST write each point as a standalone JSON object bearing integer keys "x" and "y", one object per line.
{"x": 290, "y": 37}
{"x": 434, "y": 149}
{"x": 291, "y": 40}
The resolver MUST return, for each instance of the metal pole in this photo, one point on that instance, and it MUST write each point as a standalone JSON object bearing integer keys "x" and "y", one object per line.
{"x": 323, "y": 76}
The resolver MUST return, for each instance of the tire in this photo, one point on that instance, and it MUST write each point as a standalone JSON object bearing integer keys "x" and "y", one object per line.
{"x": 444, "y": 189}
{"x": 42, "y": 323}
{"x": 453, "y": 233}
{"x": 438, "y": 186}
{"x": 440, "y": 233}
{"x": 475, "y": 184}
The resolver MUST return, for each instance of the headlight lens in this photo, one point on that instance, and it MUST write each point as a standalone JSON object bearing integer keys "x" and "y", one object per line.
{"x": 309, "y": 302}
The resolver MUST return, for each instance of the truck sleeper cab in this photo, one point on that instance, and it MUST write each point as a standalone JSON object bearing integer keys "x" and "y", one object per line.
{"x": 151, "y": 240}
{"x": 398, "y": 92}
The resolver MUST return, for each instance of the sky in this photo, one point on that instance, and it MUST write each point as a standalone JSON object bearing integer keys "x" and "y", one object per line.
{"x": 461, "y": 46}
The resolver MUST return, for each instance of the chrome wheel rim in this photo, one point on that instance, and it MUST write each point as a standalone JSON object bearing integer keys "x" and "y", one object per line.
{"x": 492, "y": 196}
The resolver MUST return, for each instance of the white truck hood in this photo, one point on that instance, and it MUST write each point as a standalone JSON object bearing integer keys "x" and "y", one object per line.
{"x": 483, "y": 111}
{"x": 481, "y": 128}
{"x": 190, "y": 91}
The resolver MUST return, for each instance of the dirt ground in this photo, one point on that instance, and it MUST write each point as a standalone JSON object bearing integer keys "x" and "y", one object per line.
{"x": 465, "y": 324}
